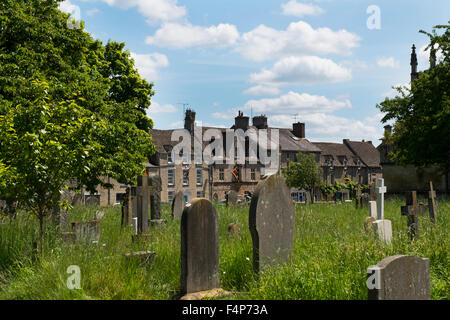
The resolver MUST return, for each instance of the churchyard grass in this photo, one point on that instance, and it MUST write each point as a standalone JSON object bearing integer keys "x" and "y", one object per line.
{"x": 331, "y": 255}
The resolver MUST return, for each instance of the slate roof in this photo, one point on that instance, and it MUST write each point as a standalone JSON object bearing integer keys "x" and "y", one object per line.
{"x": 337, "y": 151}
{"x": 366, "y": 151}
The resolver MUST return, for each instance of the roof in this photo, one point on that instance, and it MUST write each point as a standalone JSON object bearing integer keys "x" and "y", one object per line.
{"x": 366, "y": 151}
{"x": 338, "y": 151}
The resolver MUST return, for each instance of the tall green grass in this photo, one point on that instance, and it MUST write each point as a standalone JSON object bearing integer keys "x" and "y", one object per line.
{"x": 331, "y": 255}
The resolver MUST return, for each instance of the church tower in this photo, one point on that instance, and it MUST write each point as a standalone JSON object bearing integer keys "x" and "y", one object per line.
{"x": 414, "y": 64}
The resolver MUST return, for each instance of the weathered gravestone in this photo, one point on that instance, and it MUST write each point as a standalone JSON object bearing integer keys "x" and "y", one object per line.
{"x": 399, "y": 277}
{"x": 134, "y": 226}
{"x": 178, "y": 205}
{"x": 271, "y": 222}
{"x": 232, "y": 198}
{"x": 373, "y": 209}
{"x": 412, "y": 210}
{"x": 143, "y": 203}
{"x": 382, "y": 227}
{"x": 155, "y": 197}
{"x": 87, "y": 231}
{"x": 432, "y": 203}
{"x": 199, "y": 247}
{"x": 99, "y": 215}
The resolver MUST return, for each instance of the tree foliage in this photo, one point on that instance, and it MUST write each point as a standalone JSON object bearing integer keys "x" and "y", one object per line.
{"x": 421, "y": 134}
{"x": 304, "y": 173}
{"x": 71, "y": 108}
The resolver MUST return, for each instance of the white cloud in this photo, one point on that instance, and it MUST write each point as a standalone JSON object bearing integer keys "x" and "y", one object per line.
{"x": 296, "y": 9}
{"x": 332, "y": 128}
{"x": 264, "y": 43}
{"x": 67, "y": 6}
{"x": 387, "y": 62}
{"x": 262, "y": 90}
{"x": 289, "y": 103}
{"x": 302, "y": 70}
{"x": 155, "y": 107}
{"x": 155, "y": 11}
{"x": 392, "y": 93}
{"x": 175, "y": 35}
{"x": 148, "y": 64}
{"x": 423, "y": 57}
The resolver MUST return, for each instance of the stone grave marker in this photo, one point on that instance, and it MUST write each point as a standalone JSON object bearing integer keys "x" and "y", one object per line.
{"x": 87, "y": 231}
{"x": 358, "y": 196}
{"x": 143, "y": 203}
{"x": 199, "y": 247}
{"x": 178, "y": 205}
{"x": 99, "y": 215}
{"x": 134, "y": 226}
{"x": 382, "y": 227}
{"x": 399, "y": 277}
{"x": 232, "y": 198}
{"x": 373, "y": 209}
{"x": 155, "y": 197}
{"x": 412, "y": 210}
{"x": 271, "y": 222}
{"x": 432, "y": 203}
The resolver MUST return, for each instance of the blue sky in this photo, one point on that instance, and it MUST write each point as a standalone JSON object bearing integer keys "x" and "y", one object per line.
{"x": 315, "y": 61}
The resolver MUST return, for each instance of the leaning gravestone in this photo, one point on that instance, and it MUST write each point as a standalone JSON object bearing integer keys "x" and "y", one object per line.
{"x": 271, "y": 222}
{"x": 155, "y": 197}
{"x": 199, "y": 247}
{"x": 399, "y": 278}
{"x": 232, "y": 198}
{"x": 143, "y": 203}
{"x": 178, "y": 205}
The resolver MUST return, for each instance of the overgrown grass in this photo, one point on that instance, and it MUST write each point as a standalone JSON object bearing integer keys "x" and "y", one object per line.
{"x": 330, "y": 259}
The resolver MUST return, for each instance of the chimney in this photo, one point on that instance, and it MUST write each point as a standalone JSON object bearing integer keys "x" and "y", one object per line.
{"x": 414, "y": 64}
{"x": 189, "y": 121}
{"x": 260, "y": 122}
{"x": 299, "y": 130}
{"x": 388, "y": 129}
{"x": 241, "y": 122}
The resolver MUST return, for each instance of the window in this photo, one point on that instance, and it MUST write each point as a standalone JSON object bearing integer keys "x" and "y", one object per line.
{"x": 199, "y": 176}
{"x": 185, "y": 176}
{"x": 169, "y": 157}
{"x": 186, "y": 158}
{"x": 200, "y": 194}
{"x": 170, "y": 195}
{"x": 119, "y": 197}
{"x": 171, "y": 176}
{"x": 253, "y": 174}
{"x": 221, "y": 174}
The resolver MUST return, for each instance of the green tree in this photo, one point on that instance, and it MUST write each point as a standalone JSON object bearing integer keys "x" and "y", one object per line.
{"x": 70, "y": 107}
{"x": 421, "y": 134}
{"x": 304, "y": 173}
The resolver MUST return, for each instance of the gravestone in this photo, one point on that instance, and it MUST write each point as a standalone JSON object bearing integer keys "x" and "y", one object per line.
{"x": 142, "y": 257}
{"x": 368, "y": 224}
{"x": 87, "y": 231}
{"x": 412, "y": 210}
{"x": 99, "y": 215}
{"x": 358, "y": 196}
{"x": 399, "y": 277}
{"x": 432, "y": 203}
{"x": 126, "y": 208}
{"x": 155, "y": 197}
{"x": 199, "y": 247}
{"x": 271, "y": 222}
{"x": 232, "y": 198}
{"x": 382, "y": 227}
{"x": 143, "y": 203}
{"x": 373, "y": 209}
{"x": 178, "y": 205}
{"x": 134, "y": 226}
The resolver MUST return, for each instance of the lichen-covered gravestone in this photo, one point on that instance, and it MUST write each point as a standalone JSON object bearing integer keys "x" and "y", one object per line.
{"x": 155, "y": 197}
{"x": 178, "y": 205}
{"x": 232, "y": 198}
{"x": 399, "y": 277}
{"x": 271, "y": 222}
{"x": 199, "y": 247}
{"x": 87, "y": 231}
